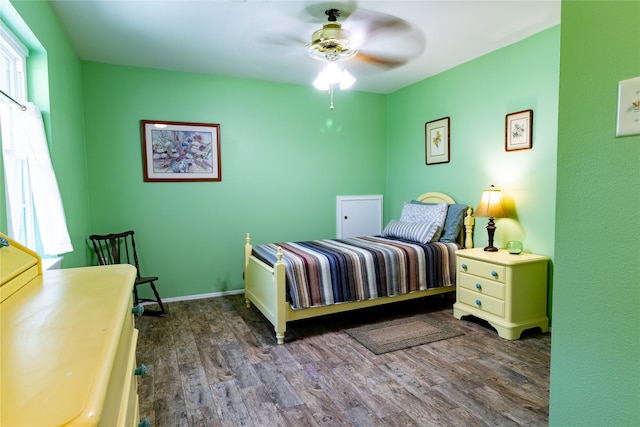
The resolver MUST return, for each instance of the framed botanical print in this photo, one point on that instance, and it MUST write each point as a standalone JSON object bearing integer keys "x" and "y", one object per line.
{"x": 436, "y": 141}
{"x": 518, "y": 130}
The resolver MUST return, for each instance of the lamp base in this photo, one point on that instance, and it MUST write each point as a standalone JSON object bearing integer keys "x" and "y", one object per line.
{"x": 491, "y": 229}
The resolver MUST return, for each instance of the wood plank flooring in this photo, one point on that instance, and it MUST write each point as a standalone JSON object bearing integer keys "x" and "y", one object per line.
{"x": 213, "y": 362}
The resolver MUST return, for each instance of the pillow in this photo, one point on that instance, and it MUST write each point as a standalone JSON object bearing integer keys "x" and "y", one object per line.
{"x": 421, "y": 232}
{"x": 422, "y": 212}
{"x": 453, "y": 222}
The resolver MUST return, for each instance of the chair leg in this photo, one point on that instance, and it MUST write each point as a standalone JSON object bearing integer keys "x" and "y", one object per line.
{"x": 155, "y": 292}
{"x": 136, "y": 300}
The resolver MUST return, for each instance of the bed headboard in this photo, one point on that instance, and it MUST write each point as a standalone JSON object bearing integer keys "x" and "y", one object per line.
{"x": 466, "y": 238}
{"x": 435, "y": 198}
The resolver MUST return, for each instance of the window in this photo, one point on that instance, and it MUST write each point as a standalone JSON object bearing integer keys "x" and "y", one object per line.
{"x": 13, "y": 56}
{"x": 35, "y": 216}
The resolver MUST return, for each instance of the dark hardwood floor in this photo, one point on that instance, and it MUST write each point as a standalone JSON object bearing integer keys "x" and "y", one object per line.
{"x": 213, "y": 362}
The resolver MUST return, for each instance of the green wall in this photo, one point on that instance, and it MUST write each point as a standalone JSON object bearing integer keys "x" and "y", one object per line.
{"x": 476, "y": 96}
{"x": 595, "y": 351}
{"x": 285, "y": 158}
{"x": 55, "y": 86}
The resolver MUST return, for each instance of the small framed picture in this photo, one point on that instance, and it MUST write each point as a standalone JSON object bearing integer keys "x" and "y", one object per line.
{"x": 179, "y": 151}
{"x": 628, "y": 122}
{"x": 436, "y": 141}
{"x": 518, "y": 130}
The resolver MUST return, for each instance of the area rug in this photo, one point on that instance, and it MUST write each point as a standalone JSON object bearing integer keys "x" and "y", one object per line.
{"x": 398, "y": 334}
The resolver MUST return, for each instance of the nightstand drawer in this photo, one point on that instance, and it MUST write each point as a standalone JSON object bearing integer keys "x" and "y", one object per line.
{"x": 482, "y": 302}
{"x": 483, "y": 269}
{"x": 482, "y": 286}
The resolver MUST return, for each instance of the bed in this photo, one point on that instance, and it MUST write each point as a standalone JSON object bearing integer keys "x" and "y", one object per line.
{"x": 408, "y": 260}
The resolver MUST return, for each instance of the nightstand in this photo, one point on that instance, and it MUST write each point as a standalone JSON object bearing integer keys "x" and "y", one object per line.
{"x": 508, "y": 291}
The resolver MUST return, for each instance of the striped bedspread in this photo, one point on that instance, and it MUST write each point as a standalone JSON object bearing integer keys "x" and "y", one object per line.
{"x": 325, "y": 272}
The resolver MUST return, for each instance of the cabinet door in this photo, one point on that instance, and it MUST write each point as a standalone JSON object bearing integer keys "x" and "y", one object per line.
{"x": 358, "y": 216}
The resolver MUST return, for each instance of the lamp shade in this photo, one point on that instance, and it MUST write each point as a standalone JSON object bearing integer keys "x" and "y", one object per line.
{"x": 491, "y": 204}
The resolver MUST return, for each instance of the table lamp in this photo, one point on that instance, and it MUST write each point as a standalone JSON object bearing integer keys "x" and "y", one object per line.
{"x": 491, "y": 207}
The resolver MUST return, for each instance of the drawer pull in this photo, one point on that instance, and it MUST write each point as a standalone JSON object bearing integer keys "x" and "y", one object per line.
{"x": 144, "y": 423}
{"x": 478, "y": 286}
{"x": 141, "y": 370}
{"x": 464, "y": 266}
{"x": 138, "y": 310}
{"x": 478, "y": 302}
{"x": 3, "y": 242}
{"x": 494, "y": 274}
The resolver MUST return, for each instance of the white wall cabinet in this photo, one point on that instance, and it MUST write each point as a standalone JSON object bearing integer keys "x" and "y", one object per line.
{"x": 358, "y": 216}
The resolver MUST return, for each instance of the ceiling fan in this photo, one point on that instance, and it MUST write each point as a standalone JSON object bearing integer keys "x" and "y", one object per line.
{"x": 371, "y": 37}
{"x": 364, "y": 37}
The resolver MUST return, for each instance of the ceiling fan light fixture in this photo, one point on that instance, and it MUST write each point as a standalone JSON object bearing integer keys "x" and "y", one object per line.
{"x": 331, "y": 43}
{"x": 321, "y": 82}
{"x": 346, "y": 80}
{"x": 331, "y": 75}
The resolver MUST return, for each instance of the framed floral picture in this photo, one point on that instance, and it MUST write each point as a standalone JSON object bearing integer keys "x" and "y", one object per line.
{"x": 436, "y": 142}
{"x": 179, "y": 151}
{"x": 518, "y": 130}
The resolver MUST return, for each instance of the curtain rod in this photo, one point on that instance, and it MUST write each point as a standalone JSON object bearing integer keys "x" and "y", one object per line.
{"x": 22, "y": 107}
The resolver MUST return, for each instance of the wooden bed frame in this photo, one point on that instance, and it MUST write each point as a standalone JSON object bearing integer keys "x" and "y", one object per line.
{"x": 265, "y": 286}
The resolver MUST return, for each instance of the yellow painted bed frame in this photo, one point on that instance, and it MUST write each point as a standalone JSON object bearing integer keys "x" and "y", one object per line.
{"x": 265, "y": 286}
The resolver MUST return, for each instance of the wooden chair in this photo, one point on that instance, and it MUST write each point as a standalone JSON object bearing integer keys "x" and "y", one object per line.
{"x": 120, "y": 248}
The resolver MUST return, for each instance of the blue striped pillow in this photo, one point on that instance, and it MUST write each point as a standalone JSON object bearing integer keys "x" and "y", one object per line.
{"x": 421, "y": 232}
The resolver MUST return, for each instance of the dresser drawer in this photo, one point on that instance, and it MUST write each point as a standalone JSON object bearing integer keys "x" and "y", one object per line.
{"x": 482, "y": 269}
{"x": 120, "y": 400}
{"x": 482, "y": 302}
{"x": 482, "y": 286}
{"x": 18, "y": 266}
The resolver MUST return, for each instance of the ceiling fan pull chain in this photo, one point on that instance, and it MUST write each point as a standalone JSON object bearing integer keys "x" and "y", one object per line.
{"x": 331, "y": 95}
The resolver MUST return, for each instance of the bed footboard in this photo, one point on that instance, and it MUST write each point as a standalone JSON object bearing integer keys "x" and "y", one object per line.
{"x": 265, "y": 287}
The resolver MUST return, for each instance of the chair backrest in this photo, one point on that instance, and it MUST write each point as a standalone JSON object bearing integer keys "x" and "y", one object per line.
{"x": 116, "y": 248}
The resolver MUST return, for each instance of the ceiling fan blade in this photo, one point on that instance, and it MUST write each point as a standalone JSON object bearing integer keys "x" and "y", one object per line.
{"x": 282, "y": 39}
{"x": 381, "y": 61}
{"x": 367, "y": 24}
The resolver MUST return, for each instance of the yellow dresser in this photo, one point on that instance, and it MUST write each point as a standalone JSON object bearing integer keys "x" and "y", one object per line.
{"x": 68, "y": 344}
{"x": 508, "y": 291}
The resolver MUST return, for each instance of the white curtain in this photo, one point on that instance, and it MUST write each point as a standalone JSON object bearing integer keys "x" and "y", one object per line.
{"x": 23, "y": 138}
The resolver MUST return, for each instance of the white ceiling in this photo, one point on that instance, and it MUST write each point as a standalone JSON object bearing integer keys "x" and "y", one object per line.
{"x": 265, "y": 40}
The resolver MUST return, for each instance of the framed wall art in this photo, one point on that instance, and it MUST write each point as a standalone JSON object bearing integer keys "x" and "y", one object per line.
{"x": 628, "y": 121}
{"x": 179, "y": 151}
{"x": 518, "y": 130}
{"x": 436, "y": 141}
